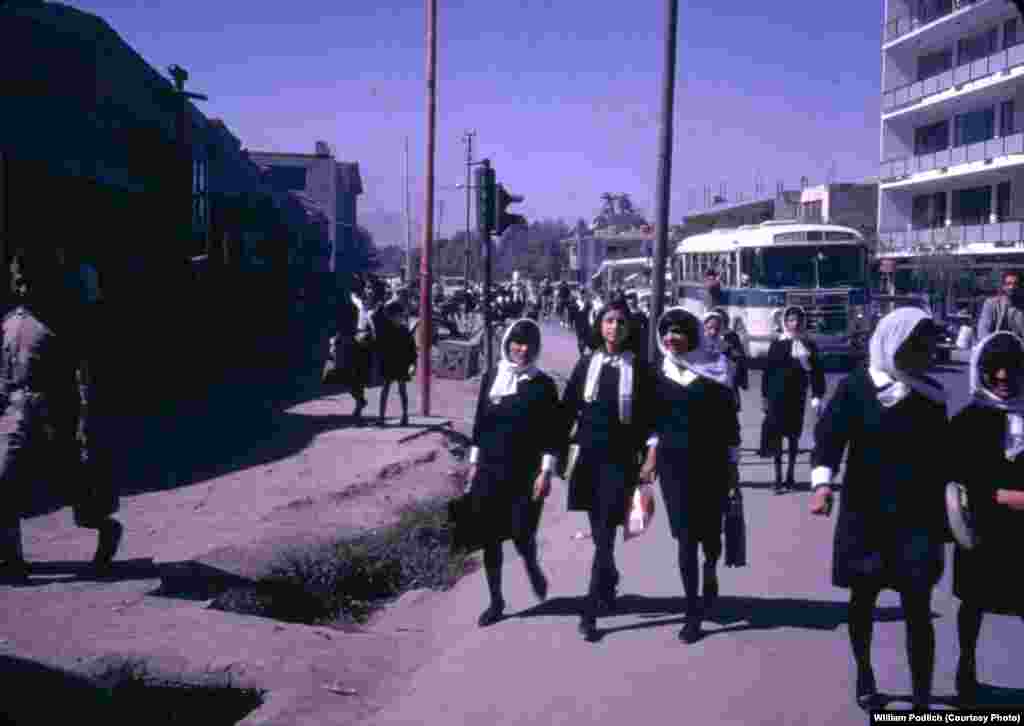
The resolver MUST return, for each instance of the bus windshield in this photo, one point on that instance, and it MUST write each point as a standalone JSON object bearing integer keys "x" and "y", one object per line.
{"x": 809, "y": 266}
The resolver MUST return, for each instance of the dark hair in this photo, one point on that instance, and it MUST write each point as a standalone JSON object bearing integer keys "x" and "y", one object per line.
{"x": 1003, "y": 351}
{"x": 682, "y": 319}
{"x": 394, "y": 308}
{"x": 1009, "y": 273}
{"x": 617, "y": 303}
{"x": 521, "y": 332}
{"x": 711, "y": 272}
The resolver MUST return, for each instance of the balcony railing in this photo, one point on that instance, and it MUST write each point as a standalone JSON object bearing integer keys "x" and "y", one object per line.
{"x": 980, "y": 151}
{"x": 990, "y": 65}
{"x": 949, "y": 238}
{"x": 898, "y": 27}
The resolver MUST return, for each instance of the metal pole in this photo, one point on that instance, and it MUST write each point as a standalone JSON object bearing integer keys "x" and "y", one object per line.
{"x": 664, "y": 173}
{"x": 426, "y": 316}
{"x": 485, "y": 239}
{"x": 469, "y": 182}
{"x": 408, "y": 221}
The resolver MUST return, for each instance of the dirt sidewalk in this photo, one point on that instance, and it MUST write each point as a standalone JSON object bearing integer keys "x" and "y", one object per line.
{"x": 218, "y": 494}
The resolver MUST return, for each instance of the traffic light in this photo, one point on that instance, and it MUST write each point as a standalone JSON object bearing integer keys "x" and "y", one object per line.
{"x": 502, "y": 219}
{"x": 485, "y": 198}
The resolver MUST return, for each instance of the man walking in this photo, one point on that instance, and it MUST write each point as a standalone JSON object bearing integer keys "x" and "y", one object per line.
{"x": 1004, "y": 311}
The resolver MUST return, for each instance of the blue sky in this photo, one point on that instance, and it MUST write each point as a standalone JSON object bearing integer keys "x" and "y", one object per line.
{"x": 564, "y": 94}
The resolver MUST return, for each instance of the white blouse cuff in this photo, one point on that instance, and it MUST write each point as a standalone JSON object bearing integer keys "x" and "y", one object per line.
{"x": 734, "y": 454}
{"x": 547, "y": 463}
{"x": 474, "y": 455}
{"x": 653, "y": 440}
{"x": 821, "y": 476}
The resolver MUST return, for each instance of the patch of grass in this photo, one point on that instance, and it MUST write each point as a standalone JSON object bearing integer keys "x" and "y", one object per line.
{"x": 348, "y": 580}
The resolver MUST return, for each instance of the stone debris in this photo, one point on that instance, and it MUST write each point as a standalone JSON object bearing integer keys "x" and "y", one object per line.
{"x": 341, "y": 690}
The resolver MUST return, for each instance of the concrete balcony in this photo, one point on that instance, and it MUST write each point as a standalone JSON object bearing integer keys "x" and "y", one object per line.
{"x": 934, "y": 13}
{"x": 913, "y": 93}
{"x": 951, "y": 239}
{"x": 947, "y": 160}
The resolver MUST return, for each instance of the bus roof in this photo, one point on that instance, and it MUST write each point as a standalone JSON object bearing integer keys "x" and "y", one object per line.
{"x": 764, "y": 234}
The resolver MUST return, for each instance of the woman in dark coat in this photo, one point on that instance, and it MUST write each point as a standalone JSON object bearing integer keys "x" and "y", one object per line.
{"x": 608, "y": 400}
{"x": 791, "y": 367}
{"x": 694, "y": 448}
{"x": 991, "y": 427}
{"x": 892, "y": 518}
{"x": 516, "y": 437}
{"x": 396, "y": 349}
{"x": 719, "y": 339}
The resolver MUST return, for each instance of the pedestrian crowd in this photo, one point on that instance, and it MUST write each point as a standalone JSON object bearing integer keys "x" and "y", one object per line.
{"x": 625, "y": 423}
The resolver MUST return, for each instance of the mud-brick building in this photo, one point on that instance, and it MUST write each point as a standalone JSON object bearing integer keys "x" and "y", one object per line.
{"x": 199, "y": 258}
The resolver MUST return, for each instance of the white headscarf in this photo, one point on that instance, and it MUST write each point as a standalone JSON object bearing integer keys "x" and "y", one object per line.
{"x": 713, "y": 345}
{"x": 506, "y": 380}
{"x": 799, "y": 351}
{"x": 700, "y": 361}
{"x": 624, "y": 362}
{"x": 1013, "y": 408}
{"x": 892, "y": 331}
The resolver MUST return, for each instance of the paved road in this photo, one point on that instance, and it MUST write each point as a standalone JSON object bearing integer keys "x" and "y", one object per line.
{"x": 775, "y": 652}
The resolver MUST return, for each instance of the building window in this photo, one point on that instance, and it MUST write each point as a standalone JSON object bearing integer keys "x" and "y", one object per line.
{"x": 1004, "y": 208}
{"x": 972, "y": 206}
{"x": 932, "y": 64}
{"x": 977, "y": 46}
{"x": 929, "y": 211}
{"x": 1006, "y": 124}
{"x": 811, "y": 211}
{"x": 931, "y": 138}
{"x": 974, "y": 127}
{"x": 1010, "y": 33}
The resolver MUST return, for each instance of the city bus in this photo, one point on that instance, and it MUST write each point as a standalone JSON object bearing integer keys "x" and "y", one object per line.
{"x": 767, "y": 267}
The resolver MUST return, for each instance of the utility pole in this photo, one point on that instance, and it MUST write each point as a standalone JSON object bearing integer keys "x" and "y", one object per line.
{"x": 664, "y": 172}
{"x": 408, "y": 221}
{"x": 426, "y": 312}
{"x": 468, "y": 138}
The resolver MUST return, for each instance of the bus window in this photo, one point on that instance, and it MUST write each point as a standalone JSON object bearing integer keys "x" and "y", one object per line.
{"x": 814, "y": 236}
{"x": 748, "y": 265}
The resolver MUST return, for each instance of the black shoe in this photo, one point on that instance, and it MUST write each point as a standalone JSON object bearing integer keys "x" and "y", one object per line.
{"x": 690, "y": 633}
{"x": 110, "y": 535}
{"x": 779, "y": 489}
{"x": 867, "y": 692}
{"x": 491, "y": 615}
{"x": 588, "y": 628}
{"x": 710, "y": 591}
{"x": 14, "y": 572}
{"x": 606, "y": 604}
{"x": 966, "y": 686}
{"x": 538, "y": 582}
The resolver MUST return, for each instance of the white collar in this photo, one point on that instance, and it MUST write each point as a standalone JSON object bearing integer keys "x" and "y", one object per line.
{"x": 880, "y": 378}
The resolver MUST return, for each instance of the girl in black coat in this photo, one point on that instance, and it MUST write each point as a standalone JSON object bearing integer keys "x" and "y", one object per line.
{"x": 516, "y": 437}
{"x": 719, "y": 339}
{"x": 792, "y": 366}
{"x": 694, "y": 448}
{"x": 608, "y": 399}
{"x": 991, "y": 427}
{"x": 892, "y": 519}
{"x": 397, "y": 351}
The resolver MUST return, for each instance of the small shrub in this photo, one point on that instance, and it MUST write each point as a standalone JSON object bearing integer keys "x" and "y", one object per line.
{"x": 348, "y": 580}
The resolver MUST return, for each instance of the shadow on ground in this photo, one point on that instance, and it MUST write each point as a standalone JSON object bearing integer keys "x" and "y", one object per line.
{"x": 733, "y": 614}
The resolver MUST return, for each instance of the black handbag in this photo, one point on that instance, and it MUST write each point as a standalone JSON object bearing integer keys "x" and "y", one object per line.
{"x": 735, "y": 531}
{"x": 464, "y": 525}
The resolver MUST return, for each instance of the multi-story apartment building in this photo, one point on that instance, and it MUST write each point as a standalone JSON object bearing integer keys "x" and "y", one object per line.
{"x": 332, "y": 186}
{"x": 952, "y": 148}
